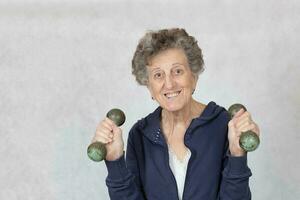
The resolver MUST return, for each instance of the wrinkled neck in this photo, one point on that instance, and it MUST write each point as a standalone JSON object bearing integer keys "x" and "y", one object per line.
{"x": 182, "y": 117}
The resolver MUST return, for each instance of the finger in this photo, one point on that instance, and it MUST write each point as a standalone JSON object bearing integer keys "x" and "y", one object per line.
{"x": 246, "y": 115}
{"x": 110, "y": 122}
{"x": 249, "y": 126}
{"x": 117, "y": 130}
{"x": 105, "y": 136}
{"x": 106, "y": 125}
{"x": 106, "y": 129}
{"x": 231, "y": 124}
{"x": 107, "y": 132}
{"x": 246, "y": 127}
{"x": 243, "y": 122}
{"x": 239, "y": 113}
{"x": 102, "y": 139}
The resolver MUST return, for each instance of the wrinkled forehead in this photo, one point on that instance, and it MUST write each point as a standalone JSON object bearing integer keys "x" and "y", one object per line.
{"x": 167, "y": 58}
{"x": 168, "y": 67}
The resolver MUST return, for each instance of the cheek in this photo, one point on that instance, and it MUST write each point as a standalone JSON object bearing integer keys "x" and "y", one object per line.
{"x": 192, "y": 81}
{"x": 154, "y": 89}
{"x": 188, "y": 83}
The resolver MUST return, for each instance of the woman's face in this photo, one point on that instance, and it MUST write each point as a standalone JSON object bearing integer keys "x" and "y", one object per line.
{"x": 170, "y": 80}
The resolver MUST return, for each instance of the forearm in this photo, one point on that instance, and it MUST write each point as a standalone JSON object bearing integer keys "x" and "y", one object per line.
{"x": 120, "y": 182}
{"x": 235, "y": 179}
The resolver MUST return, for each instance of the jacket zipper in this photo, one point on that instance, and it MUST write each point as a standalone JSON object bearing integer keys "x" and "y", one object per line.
{"x": 186, "y": 176}
{"x": 189, "y": 164}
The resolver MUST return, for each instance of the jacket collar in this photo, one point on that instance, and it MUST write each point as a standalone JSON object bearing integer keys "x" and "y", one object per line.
{"x": 150, "y": 125}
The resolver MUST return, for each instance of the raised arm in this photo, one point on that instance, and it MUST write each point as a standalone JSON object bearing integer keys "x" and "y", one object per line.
{"x": 235, "y": 178}
{"x": 123, "y": 180}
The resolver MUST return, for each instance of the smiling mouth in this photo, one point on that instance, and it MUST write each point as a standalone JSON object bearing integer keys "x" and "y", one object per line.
{"x": 172, "y": 94}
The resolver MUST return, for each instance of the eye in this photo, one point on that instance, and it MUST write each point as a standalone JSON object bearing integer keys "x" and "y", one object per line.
{"x": 178, "y": 71}
{"x": 158, "y": 75}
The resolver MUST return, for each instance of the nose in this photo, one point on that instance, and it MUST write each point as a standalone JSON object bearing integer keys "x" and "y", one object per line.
{"x": 169, "y": 82}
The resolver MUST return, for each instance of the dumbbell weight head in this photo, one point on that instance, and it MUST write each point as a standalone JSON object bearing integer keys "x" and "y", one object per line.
{"x": 249, "y": 141}
{"x": 117, "y": 116}
{"x": 97, "y": 151}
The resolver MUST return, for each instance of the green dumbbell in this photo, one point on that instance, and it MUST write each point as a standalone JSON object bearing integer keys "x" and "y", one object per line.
{"x": 249, "y": 141}
{"x": 97, "y": 151}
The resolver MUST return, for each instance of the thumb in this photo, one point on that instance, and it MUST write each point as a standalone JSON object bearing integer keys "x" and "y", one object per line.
{"x": 117, "y": 130}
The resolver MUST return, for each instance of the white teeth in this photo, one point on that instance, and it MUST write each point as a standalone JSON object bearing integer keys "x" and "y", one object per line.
{"x": 170, "y": 95}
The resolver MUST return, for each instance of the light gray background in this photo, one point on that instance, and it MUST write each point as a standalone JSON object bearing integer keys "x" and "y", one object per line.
{"x": 64, "y": 64}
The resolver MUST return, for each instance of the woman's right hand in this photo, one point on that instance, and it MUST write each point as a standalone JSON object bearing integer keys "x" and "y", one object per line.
{"x": 108, "y": 133}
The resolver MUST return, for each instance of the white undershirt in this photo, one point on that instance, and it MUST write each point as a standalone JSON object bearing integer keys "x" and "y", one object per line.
{"x": 179, "y": 168}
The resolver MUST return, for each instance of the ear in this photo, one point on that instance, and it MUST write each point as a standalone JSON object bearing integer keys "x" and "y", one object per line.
{"x": 150, "y": 90}
{"x": 195, "y": 80}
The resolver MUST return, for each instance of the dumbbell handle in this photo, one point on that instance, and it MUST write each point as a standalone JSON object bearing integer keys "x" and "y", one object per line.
{"x": 249, "y": 141}
{"x": 97, "y": 150}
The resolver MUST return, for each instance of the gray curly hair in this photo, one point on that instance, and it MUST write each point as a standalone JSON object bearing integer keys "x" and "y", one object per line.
{"x": 153, "y": 42}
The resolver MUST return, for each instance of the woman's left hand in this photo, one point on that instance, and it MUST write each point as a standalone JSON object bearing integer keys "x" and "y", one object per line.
{"x": 241, "y": 122}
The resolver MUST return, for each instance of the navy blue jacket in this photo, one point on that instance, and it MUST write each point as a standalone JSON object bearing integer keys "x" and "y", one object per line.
{"x": 211, "y": 173}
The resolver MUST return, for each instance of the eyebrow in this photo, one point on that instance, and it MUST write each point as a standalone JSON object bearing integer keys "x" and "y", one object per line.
{"x": 156, "y": 68}
{"x": 178, "y": 64}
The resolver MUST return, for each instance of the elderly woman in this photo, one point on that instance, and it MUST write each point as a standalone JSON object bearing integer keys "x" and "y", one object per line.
{"x": 184, "y": 149}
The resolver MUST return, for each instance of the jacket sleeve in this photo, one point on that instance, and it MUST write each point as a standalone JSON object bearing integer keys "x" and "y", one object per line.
{"x": 235, "y": 178}
{"x": 123, "y": 179}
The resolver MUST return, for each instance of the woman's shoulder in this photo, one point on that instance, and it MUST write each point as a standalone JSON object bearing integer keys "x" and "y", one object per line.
{"x": 213, "y": 111}
{"x": 147, "y": 124}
